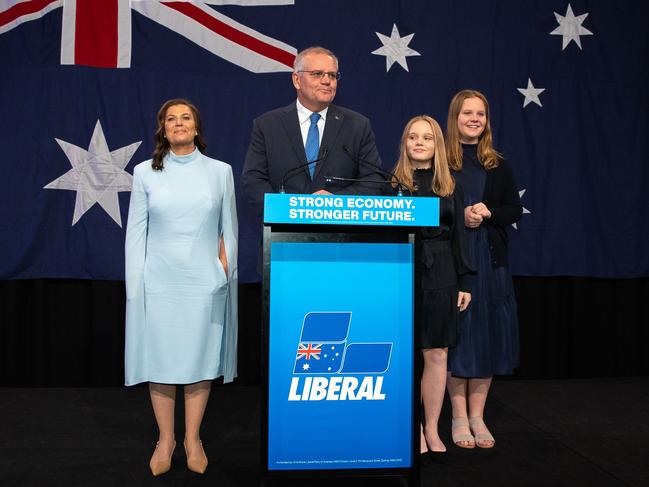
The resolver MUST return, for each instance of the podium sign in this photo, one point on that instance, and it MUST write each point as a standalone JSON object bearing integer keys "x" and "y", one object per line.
{"x": 312, "y": 209}
{"x": 338, "y": 335}
{"x": 340, "y": 364}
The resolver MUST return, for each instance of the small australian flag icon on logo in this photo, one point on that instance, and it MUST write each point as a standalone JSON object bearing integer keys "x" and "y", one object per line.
{"x": 322, "y": 343}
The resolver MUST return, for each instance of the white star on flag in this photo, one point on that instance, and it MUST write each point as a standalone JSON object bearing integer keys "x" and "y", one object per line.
{"x": 531, "y": 94}
{"x": 395, "y": 49}
{"x": 97, "y": 175}
{"x": 570, "y": 27}
{"x": 525, "y": 210}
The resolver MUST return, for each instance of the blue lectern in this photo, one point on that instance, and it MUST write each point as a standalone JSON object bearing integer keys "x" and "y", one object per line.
{"x": 338, "y": 364}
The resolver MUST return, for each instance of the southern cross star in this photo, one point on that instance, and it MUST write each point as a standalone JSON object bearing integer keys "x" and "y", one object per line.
{"x": 531, "y": 94}
{"x": 570, "y": 27}
{"x": 97, "y": 175}
{"x": 395, "y": 49}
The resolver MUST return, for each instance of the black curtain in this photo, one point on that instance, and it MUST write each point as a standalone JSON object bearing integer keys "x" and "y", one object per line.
{"x": 71, "y": 332}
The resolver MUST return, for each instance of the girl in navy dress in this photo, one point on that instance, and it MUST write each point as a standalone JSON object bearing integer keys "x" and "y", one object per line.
{"x": 488, "y": 341}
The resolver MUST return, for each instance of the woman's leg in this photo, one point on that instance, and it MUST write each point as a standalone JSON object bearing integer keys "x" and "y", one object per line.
{"x": 457, "y": 391}
{"x": 478, "y": 389}
{"x": 163, "y": 400}
{"x": 433, "y": 384}
{"x": 196, "y": 396}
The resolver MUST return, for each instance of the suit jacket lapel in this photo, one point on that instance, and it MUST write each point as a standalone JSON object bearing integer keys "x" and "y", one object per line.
{"x": 292, "y": 128}
{"x": 332, "y": 126}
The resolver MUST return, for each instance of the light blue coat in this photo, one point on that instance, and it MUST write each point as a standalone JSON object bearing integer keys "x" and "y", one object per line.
{"x": 181, "y": 308}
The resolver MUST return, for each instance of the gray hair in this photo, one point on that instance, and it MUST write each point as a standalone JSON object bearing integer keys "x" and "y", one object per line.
{"x": 298, "y": 64}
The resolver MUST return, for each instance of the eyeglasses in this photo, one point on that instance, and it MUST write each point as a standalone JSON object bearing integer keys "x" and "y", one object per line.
{"x": 317, "y": 74}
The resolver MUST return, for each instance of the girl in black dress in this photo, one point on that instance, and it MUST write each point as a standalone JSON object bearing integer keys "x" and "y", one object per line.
{"x": 488, "y": 341}
{"x": 443, "y": 264}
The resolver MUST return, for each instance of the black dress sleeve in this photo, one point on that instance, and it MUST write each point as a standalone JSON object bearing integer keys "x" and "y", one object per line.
{"x": 463, "y": 265}
{"x": 503, "y": 200}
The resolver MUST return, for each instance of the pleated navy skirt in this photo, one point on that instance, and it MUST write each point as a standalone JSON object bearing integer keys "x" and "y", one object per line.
{"x": 488, "y": 342}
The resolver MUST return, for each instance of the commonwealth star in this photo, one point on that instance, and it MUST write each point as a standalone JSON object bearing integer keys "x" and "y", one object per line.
{"x": 97, "y": 175}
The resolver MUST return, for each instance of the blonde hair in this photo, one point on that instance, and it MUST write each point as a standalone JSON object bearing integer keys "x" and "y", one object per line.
{"x": 443, "y": 183}
{"x": 487, "y": 155}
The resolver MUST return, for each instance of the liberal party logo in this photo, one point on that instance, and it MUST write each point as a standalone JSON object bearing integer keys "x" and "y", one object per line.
{"x": 323, "y": 349}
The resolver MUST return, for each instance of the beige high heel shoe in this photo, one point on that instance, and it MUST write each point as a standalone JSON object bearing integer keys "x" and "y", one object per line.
{"x": 197, "y": 461}
{"x": 158, "y": 467}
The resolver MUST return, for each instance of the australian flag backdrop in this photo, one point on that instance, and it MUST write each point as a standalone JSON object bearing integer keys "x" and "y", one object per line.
{"x": 82, "y": 81}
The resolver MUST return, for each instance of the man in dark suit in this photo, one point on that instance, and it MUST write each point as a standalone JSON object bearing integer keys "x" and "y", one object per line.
{"x": 311, "y": 129}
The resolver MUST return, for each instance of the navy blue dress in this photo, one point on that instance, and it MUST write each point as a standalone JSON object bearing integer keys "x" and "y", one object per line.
{"x": 488, "y": 342}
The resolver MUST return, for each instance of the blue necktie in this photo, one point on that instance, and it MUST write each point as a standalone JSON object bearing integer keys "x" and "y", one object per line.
{"x": 312, "y": 145}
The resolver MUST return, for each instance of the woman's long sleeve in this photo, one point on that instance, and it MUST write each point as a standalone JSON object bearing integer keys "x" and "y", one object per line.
{"x": 505, "y": 205}
{"x": 229, "y": 233}
{"x": 463, "y": 265}
{"x": 135, "y": 250}
{"x": 136, "y": 233}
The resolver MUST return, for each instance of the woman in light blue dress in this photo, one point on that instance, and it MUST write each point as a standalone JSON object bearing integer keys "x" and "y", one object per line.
{"x": 181, "y": 278}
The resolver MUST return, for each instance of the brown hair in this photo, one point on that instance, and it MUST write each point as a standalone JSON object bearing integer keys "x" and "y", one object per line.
{"x": 162, "y": 144}
{"x": 443, "y": 183}
{"x": 487, "y": 155}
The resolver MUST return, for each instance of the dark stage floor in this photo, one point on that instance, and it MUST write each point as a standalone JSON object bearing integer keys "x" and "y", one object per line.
{"x": 548, "y": 433}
